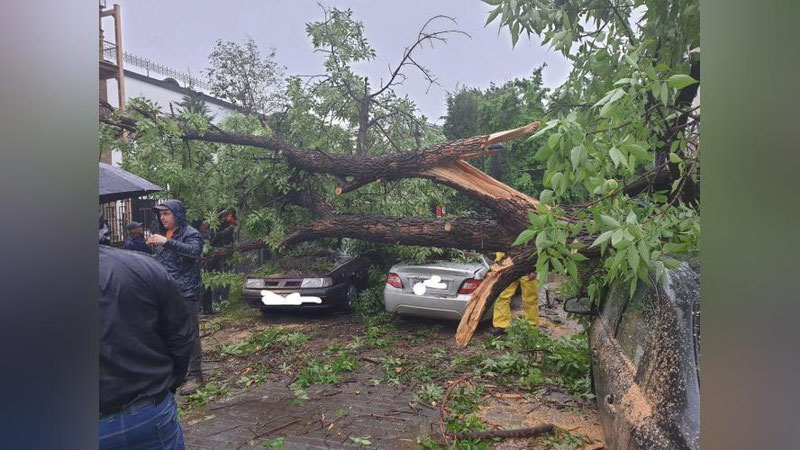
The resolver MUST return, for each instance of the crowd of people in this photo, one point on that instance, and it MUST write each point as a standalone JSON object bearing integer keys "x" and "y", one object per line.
{"x": 151, "y": 294}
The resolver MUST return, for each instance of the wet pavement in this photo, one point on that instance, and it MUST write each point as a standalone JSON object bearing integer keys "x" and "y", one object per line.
{"x": 362, "y": 409}
{"x": 328, "y": 419}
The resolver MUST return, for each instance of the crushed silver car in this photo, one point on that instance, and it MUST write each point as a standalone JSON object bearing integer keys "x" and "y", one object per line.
{"x": 438, "y": 290}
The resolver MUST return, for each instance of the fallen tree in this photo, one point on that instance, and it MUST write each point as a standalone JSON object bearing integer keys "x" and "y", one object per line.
{"x": 620, "y": 168}
{"x": 445, "y": 164}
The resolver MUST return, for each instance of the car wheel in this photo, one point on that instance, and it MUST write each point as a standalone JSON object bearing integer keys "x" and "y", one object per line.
{"x": 350, "y": 299}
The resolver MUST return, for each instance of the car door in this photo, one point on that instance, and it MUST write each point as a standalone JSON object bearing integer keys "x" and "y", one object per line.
{"x": 610, "y": 374}
{"x": 620, "y": 339}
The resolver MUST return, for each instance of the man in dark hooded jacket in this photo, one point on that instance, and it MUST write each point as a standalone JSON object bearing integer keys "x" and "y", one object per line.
{"x": 145, "y": 346}
{"x": 180, "y": 253}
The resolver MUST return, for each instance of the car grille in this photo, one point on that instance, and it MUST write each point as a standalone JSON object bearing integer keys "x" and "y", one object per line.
{"x": 277, "y": 284}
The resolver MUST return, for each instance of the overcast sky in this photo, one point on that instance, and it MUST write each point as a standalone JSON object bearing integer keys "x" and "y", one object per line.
{"x": 181, "y": 33}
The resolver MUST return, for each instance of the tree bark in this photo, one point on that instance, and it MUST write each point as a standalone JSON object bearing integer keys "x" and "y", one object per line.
{"x": 224, "y": 252}
{"x": 366, "y": 169}
{"x": 458, "y": 232}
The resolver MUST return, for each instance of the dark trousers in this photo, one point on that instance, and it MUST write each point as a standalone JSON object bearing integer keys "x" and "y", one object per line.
{"x": 205, "y": 302}
{"x": 195, "y": 364}
{"x": 146, "y": 427}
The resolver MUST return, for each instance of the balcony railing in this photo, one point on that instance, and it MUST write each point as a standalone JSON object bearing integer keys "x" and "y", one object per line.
{"x": 110, "y": 54}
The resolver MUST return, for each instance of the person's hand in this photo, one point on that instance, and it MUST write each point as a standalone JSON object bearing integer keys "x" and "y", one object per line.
{"x": 157, "y": 239}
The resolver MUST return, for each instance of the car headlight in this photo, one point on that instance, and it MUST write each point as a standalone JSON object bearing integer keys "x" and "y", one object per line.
{"x": 254, "y": 283}
{"x": 315, "y": 282}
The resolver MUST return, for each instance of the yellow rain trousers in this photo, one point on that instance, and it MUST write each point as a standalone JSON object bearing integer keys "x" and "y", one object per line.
{"x": 530, "y": 301}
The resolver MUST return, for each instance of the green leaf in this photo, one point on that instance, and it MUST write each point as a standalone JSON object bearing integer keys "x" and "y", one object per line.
{"x": 674, "y": 248}
{"x": 578, "y": 257}
{"x": 632, "y": 288}
{"x": 642, "y": 247}
{"x": 633, "y": 258}
{"x": 553, "y": 140}
{"x": 664, "y": 94}
{"x": 602, "y": 238}
{"x": 557, "y": 265}
{"x": 514, "y": 34}
{"x": 680, "y": 81}
{"x": 671, "y": 264}
{"x": 617, "y": 157}
{"x": 631, "y": 219}
{"x": 617, "y": 94}
{"x": 542, "y": 267}
{"x": 610, "y": 97}
{"x": 651, "y": 72}
{"x": 493, "y": 14}
{"x": 577, "y": 155}
{"x": 556, "y": 180}
{"x": 610, "y": 221}
{"x": 572, "y": 269}
{"x": 639, "y": 150}
{"x": 524, "y": 237}
{"x": 617, "y": 237}
{"x": 605, "y": 111}
{"x": 542, "y": 242}
{"x": 616, "y": 262}
{"x": 542, "y": 208}
{"x": 674, "y": 158}
{"x": 546, "y": 196}
{"x": 577, "y": 245}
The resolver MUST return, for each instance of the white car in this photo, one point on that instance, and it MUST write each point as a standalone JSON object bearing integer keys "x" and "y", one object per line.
{"x": 438, "y": 290}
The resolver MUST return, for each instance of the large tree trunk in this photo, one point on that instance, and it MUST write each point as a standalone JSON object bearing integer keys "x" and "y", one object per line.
{"x": 457, "y": 232}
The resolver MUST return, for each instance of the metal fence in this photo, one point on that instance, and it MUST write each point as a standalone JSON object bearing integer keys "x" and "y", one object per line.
{"x": 109, "y": 54}
{"x": 121, "y": 212}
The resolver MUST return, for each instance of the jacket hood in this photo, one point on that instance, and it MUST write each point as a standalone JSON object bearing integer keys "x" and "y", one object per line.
{"x": 178, "y": 210}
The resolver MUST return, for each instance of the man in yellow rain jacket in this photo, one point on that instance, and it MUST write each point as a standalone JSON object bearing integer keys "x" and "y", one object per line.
{"x": 530, "y": 301}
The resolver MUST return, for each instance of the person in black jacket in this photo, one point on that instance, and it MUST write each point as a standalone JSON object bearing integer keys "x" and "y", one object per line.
{"x": 135, "y": 239}
{"x": 145, "y": 346}
{"x": 180, "y": 252}
{"x": 223, "y": 236}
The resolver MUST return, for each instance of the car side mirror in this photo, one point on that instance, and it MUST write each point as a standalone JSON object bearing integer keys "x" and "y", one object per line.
{"x": 582, "y": 305}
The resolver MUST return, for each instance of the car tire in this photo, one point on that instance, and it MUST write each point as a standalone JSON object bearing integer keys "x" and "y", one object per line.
{"x": 350, "y": 297}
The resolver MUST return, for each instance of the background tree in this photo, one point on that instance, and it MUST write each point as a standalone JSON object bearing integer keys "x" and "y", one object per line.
{"x": 472, "y": 112}
{"x": 240, "y": 74}
{"x": 373, "y": 111}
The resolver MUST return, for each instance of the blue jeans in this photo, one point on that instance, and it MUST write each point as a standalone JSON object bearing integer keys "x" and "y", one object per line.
{"x": 147, "y": 427}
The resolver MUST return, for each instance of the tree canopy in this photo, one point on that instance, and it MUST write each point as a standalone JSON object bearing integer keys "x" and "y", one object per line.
{"x": 621, "y": 144}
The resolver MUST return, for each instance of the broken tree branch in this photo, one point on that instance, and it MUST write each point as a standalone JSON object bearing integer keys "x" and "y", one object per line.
{"x": 505, "y": 434}
{"x": 456, "y": 232}
{"x": 366, "y": 167}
